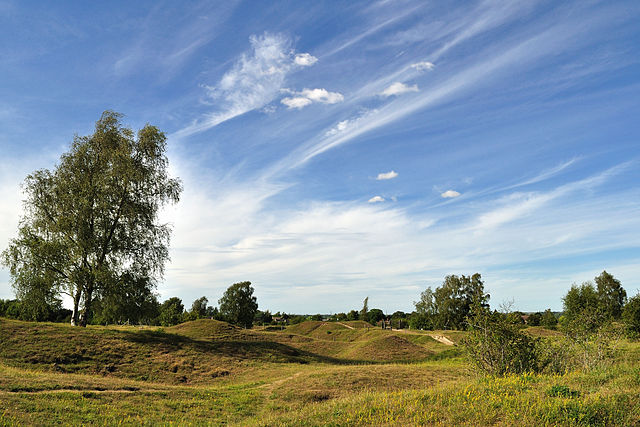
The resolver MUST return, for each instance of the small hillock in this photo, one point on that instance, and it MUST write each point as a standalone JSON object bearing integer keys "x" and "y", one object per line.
{"x": 386, "y": 348}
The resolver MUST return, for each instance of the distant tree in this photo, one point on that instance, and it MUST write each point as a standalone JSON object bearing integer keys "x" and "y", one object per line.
{"x": 11, "y": 308}
{"x": 514, "y": 317}
{"x": 375, "y": 315}
{"x": 171, "y": 312}
{"x": 548, "y": 319}
{"x": 454, "y": 299}
{"x": 341, "y": 317}
{"x": 534, "y": 319}
{"x": 296, "y": 319}
{"x": 92, "y": 222}
{"x": 631, "y": 316}
{"x": 399, "y": 320}
{"x": 200, "y": 309}
{"x": 364, "y": 310}
{"x": 238, "y": 305}
{"x": 424, "y": 316}
{"x": 353, "y": 315}
{"x": 417, "y": 321}
{"x": 611, "y": 295}
{"x": 580, "y": 299}
{"x": 263, "y": 317}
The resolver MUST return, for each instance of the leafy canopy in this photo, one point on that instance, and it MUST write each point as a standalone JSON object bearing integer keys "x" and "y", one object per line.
{"x": 238, "y": 305}
{"x": 90, "y": 224}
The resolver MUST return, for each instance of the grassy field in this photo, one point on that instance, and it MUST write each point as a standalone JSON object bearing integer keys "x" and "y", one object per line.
{"x": 315, "y": 373}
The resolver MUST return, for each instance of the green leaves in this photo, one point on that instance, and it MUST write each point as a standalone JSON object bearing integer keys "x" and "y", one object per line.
{"x": 92, "y": 221}
{"x": 238, "y": 305}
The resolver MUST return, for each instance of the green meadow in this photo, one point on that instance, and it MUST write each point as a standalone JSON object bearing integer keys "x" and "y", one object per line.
{"x": 208, "y": 372}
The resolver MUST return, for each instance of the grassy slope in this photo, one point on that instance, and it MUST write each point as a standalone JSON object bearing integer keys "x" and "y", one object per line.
{"x": 301, "y": 376}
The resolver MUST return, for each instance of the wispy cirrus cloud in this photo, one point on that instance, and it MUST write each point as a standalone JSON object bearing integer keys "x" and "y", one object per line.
{"x": 376, "y": 199}
{"x": 485, "y": 67}
{"x": 254, "y": 81}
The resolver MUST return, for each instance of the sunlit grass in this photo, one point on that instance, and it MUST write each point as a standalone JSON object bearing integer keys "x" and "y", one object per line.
{"x": 53, "y": 374}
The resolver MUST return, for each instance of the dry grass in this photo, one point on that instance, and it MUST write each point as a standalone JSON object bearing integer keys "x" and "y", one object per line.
{"x": 53, "y": 374}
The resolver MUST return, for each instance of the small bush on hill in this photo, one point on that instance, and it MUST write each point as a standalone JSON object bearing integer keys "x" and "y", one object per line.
{"x": 497, "y": 346}
{"x": 631, "y": 316}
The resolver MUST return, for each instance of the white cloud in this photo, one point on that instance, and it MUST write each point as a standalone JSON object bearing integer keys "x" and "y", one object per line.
{"x": 305, "y": 59}
{"x": 423, "y": 66}
{"x": 340, "y": 127}
{"x": 399, "y": 88}
{"x": 308, "y": 96}
{"x": 322, "y": 95}
{"x": 376, "y": 199}
{"x": 255, "y": 80}
{"x": 450, "y": 194}
{"x": 387, "y": 175}
{"x": 297, "y": 102}
{"x": 361, "y": 248}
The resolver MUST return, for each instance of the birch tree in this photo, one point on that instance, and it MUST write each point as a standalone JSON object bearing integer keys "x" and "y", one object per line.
{"x": 92, "y": 222}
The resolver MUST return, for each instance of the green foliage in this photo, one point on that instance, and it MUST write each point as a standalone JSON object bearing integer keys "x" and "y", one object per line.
{"x": 420, "y": 321}
{"x": 590, "y": 339}
{"x": 562, "y": 391}
{"x": 497, "y": 346}
{"x": 129, "y": 302}
{"x": 548, "y": 319}
{"x": 631, "y": 316}
{"x": 238, "y": 305}
{"x": 263, "y": 317}
{"x": 534, "y": 319}
{"x": 91, "y": 223}
{"x": 602, "y": 304}
{"x": 353, "y": 315}
{"x": 200, "y": 309}
{"x": 27, "y": 309}
{"x": 375, "y": 315}
{"x": 450, "y": 304}
{"x": 171, "y": 312}
{"x": 611, "y": 295}
{"x": 580, "y": 299}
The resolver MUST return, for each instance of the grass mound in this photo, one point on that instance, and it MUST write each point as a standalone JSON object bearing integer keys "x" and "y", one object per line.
{"x": 207, "y": 328}
{"x": 314, "y": 327}
{"x": 387, "y": 348}
{"x": 142, "y": 354}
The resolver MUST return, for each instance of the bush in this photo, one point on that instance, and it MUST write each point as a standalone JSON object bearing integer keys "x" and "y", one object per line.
{"x": 497, "y": 346}
{"x": 631, "y": 316}
{"x": 590, "y": 341}
{"x": 548, "y": 320}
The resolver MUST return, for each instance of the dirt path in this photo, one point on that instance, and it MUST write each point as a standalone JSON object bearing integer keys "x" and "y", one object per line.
{"x": 346, "y": 326}
{"x": 441, "y": 338}
{"x": 280, "y": 381}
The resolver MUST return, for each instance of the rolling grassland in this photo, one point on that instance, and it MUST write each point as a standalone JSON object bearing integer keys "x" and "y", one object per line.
{"x": 314, "y": 373}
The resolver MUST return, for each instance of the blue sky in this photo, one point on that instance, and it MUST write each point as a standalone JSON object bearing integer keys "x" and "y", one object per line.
{"x": 336, "y": 150}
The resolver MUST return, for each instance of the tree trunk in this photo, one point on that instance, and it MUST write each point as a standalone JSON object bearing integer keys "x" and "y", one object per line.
{"x": 76, "y": 303}
{"x": 86, "y": 313}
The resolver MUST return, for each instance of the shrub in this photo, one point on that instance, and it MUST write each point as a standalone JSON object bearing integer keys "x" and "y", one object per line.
{"x": 497, "y": 346}
{"x": 631, "y": 316}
